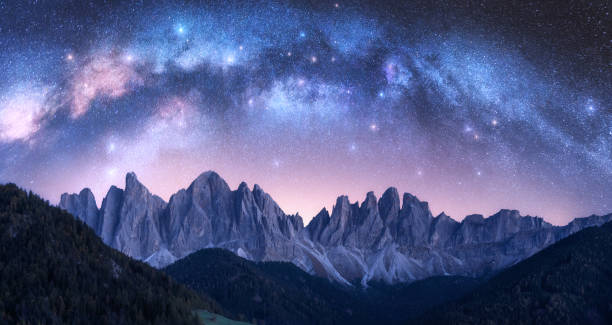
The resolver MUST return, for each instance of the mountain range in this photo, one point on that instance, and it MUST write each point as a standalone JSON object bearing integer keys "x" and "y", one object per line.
{"x": 377, "y": 240}
{"x": 569, "y": 282}
{"x": 55, "y": 270}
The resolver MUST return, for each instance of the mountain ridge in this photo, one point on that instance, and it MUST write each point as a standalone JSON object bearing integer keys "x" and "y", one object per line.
{"x": 379, "y": 239}
{"x": 569, "y": 282}
{"x": 55, "y": 270}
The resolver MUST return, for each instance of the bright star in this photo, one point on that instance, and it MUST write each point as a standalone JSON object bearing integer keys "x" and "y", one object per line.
{"x": 111, "y": 171}
{"x": 128, "y": 58}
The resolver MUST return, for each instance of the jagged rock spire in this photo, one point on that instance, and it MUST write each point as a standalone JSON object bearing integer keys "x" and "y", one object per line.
{"x": 378, "y": 239}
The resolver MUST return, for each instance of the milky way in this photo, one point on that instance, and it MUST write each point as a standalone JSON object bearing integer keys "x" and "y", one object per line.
{"x": 472, "y": 108}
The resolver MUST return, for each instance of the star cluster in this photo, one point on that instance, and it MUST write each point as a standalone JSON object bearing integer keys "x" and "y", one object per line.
{"x": 472, "y": 108}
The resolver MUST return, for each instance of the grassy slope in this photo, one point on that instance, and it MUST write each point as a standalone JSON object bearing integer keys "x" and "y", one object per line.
{"x": 208, "y": 318}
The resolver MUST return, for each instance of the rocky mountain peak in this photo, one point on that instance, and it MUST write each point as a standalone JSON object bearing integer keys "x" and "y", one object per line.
{"x": 411, "y": 202}
{"x": 86, "y": 192}
{"x": 83, "y": 206}
{"x": 389, "y": 205}
{"x": 132, "y": 183}
{"x": 212, "y": 179}
{"x": 243, "y": 187}
{"x": 474, "y": 218}
{"x": 378, "y": 239}
{"x": 442, "y": 215}
{"x": 317, "y": 224}
{"x": 370, "y": 204}
{"x": 414, "y": 221}
{"x": 342, "y": 202}
{"x": 266, "y": 204}
{"x": 507, "y": 213}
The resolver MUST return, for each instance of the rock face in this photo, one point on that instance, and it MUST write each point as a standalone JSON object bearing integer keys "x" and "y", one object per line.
{"x": 206, "y": 214}
{"x": 379, "y": 239}
{"x": 82, "y": 205}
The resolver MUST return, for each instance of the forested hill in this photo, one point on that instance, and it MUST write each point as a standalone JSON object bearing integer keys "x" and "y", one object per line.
{"x": 282, "y": 293}
{"x": 55, "y": 270}
{"x": 569, "y": 282}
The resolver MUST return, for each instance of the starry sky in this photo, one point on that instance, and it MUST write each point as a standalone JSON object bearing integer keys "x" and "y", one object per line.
{"x": 472, "y": 106}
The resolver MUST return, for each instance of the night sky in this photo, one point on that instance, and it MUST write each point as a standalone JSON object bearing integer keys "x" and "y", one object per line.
{"x": 472, "y": 107}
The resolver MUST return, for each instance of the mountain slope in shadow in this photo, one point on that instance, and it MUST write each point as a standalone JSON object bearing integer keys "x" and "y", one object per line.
{"x": 282, "y": 293}
{"x": 55, "y": 270}
{"x": 569, "y": 282}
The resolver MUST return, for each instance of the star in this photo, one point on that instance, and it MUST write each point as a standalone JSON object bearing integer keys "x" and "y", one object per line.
{"x": 111, "y": 172}
{"x": 149, "y": 85}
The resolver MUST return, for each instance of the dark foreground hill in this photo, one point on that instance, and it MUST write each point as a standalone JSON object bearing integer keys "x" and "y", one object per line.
{"x": 569, "y": 282}
{"x": 275, "y": 292}
{"x": 55, "y": 270}
{"x": 282, "y": 293}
